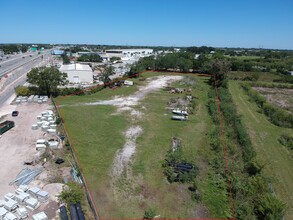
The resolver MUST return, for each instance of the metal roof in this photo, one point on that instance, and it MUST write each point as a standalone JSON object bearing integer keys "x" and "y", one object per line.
{"x": 75, "y": 66}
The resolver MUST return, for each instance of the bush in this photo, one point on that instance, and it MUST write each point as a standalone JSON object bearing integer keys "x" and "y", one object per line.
{"x": 150, "y": 213}
{"x": 22, "y": 91}
{"x": 286, "y": 140}
{"x": 270, "y": 208}
{"x": 71, "y": 194}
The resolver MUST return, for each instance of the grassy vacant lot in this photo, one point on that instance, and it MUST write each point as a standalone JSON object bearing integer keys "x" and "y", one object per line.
{"x": 97, "y": 134}
{"x": 264, "y": 135}
{"x": 263, "y": 76}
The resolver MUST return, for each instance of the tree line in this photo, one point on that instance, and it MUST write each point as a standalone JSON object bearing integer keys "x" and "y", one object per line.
{"x": 13, "y": 48}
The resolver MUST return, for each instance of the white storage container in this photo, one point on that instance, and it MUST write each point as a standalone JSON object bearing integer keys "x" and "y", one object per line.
{"x": 40, "y": 216}
{"x": 35, "y": 126}
{"x": 52, "y": 131}
{"x": 45, "y": 127}
{"x": 42, "y": 141}
{"x": 40, "y": 147}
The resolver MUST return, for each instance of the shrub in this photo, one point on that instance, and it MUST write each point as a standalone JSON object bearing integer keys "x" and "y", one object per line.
{"x": 71, "y": 194}
{"x": 150, "y": 213}
{"x": 286, "y": 140}
{"x": 22, "y": 91}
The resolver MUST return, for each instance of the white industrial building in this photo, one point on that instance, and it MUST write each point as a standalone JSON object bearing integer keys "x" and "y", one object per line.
{"x": 129, "y": 52}
{"x": 78, "y": 73}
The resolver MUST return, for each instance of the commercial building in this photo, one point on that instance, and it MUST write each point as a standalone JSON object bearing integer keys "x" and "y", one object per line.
{"x": 57, "y": 52}
{"x": 78, "y": 73}
{"x": 129, "y": 52}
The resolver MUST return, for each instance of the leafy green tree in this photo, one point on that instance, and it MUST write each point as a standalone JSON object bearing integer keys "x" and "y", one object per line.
{"x": 219, "y": 69}
{"x": 90, "y": 58}
{"x": 112, "y": 59}
{"x": 66, "y": 59}
{"x": 105, "y": 78}
{"x": 46, "y": 79}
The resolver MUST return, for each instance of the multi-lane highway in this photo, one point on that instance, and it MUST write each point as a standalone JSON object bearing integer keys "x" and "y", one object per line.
{"x": 13, "y": 71}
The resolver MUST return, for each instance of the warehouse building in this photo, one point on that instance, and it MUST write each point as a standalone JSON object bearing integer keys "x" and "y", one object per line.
{"x": 129, "y": 52}
{"x": 78, "y": 73}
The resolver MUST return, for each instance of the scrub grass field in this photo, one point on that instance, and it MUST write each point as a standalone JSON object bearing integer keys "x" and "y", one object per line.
{"x": 264, "y": 136}
{"x": 97, "y": 132}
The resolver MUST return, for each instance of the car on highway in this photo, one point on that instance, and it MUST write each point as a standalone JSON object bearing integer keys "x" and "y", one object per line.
{"x": 15, "y": 113}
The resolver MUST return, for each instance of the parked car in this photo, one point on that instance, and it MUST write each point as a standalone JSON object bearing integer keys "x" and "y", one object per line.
{"x": 15, "y": 113}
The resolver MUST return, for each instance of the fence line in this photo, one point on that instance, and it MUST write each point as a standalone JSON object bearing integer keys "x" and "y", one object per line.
{"x": 77, "y": 163}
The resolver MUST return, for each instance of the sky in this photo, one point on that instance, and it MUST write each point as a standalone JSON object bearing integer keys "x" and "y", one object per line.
{"x": 216, "y": 23}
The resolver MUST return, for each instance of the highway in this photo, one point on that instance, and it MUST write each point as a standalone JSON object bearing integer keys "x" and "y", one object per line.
{"x": 16, "y": 70}
{"x": 6, "y": 65}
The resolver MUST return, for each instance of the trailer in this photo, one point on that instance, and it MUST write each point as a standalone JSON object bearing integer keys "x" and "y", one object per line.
{"x": 180, "y": 112}
{"x": 5, "y": 126}
{"x": 179, "y": 117}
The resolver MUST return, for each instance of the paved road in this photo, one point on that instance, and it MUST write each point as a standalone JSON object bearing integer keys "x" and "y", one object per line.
{"x": 17, "y": 75}
{"x": 15, "y": 60}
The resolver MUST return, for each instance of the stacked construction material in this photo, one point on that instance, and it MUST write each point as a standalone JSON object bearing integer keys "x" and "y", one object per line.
{"x": 10, "y": 216}
{"x": 24, "y": 188}
{"x": 53, "y": 144}
{"x": 10, "y": 204}
{"x": 40, "y": 216}
{"x": 47, "y": 122}
{"x": 33, "y": 191}
{"x": 21, "y": 197}
{"x": 32, "y": 203}
{"x": 3, "y": 212}
{"x": 9, "y": 195}
{"x": 42, "y": 196}
{"x": 22, "y": 213}
{"x": 26, "y": 176}
{"x": 2, "y": 202}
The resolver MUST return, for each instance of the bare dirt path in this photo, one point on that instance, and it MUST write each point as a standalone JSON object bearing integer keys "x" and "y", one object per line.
{"x": 123, "y": 156}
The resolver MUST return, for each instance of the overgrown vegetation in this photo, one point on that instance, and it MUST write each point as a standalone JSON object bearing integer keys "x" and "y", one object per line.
{"x": 90, "y": 58}
{"x": 250, "y": 188}
{"x": 286, "y": 140}
{"x": 71, "y": 194}
{"x": 176, "y": 167}
{"x": 275, "y": 114}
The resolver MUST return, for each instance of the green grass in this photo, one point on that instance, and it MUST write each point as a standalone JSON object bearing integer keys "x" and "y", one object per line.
{"x": 263, "y": 76}
{"x": 97, "y": 135}
{"x": 264, "y": 135}
{"x": 245, "y": 57}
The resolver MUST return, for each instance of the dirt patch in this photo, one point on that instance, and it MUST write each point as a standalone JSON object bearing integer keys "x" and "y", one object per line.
{"x": 282, "y": 98}
{"x": 123, "y": 156}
